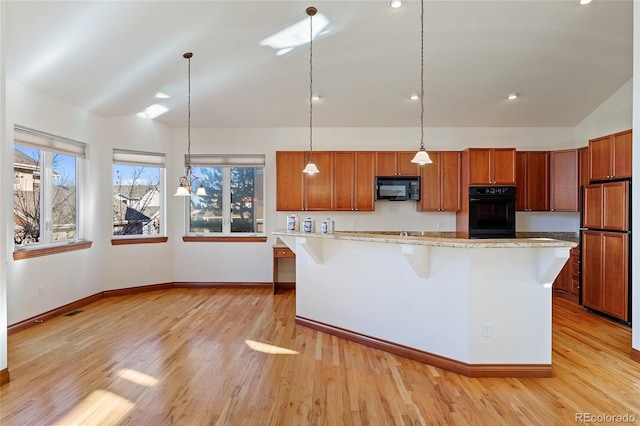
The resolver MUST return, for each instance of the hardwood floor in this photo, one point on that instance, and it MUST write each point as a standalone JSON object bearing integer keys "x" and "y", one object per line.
{"x": 235, "y": 357}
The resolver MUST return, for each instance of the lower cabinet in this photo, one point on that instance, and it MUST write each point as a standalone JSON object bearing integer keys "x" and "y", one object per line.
{"x": 282, "y": 255}
{"x": 605, "y": 273}
{"x": 567, "y": 283}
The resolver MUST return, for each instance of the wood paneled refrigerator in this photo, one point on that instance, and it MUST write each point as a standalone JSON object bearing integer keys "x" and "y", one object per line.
{"x": 605, "y": 249}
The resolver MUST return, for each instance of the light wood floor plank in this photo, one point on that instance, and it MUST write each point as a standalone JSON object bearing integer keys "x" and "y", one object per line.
{"x": 235, "y": 357}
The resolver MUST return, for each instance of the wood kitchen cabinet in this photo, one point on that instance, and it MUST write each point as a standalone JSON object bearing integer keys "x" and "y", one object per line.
{"x": 489, "y": 166}
{"x": 610, "y": 157}
{"x": 583, "y": 167}
{"x": 282, "y": 254}
{"x": 318, "y": 194}
{"x": 297, "y": 191}
{"x": 532, "y": 181}
{"x": 440, "y": 182}
{"x": 354, "y": 183}
{"x": 566, "y": 284}
{"x": 290, "y": 180}
{"x": 605, "y": 273}
{"x": 604, "y": 206}
{"x": 564, "y": 181}
{"x": 396, "y": 163}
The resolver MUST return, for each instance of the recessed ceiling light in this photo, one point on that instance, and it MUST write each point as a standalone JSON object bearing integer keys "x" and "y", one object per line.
{"x": 513, "y": 96}
{"x": 583, "y": 2}
{"x": 161, "y": 95}
{"x": 414, "y": 97}
{"x": 315, "y": 96}
{"x": 394, "y": 4}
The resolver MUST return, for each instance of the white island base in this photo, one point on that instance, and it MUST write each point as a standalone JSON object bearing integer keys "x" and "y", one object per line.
{"x": 481, "y": 308}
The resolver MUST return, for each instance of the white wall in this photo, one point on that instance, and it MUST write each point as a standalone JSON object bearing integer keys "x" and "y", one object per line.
{"x": 86, "y": 272}
{"x": 103, "y": 267}
{"x": 4, "y": 199}
{"x": 635, "y": 191}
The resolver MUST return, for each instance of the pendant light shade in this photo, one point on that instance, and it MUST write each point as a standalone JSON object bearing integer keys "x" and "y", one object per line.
{"x": 311, "y": 168}
{"x": 184, "y": 183}
{"x": 421, "y": 157}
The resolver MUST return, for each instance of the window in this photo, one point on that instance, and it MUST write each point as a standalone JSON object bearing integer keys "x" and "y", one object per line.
{"x": 46, "y": 180}
{"x": 234, "y": 204}
{"x": 138, "y": 201}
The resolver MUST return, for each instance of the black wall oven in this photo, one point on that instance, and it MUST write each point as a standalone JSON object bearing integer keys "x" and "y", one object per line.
{"x": 492, "y": 212}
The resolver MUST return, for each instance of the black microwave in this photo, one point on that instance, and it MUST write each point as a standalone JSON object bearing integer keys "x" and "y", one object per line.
{"x": 398, "y": 188}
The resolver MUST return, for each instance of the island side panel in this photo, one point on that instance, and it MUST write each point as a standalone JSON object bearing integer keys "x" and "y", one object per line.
{"x": 510, "y": 318}
{"x": 370, "y": 288}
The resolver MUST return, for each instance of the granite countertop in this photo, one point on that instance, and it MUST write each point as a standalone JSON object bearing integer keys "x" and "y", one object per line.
{"x": 444, "y": 239}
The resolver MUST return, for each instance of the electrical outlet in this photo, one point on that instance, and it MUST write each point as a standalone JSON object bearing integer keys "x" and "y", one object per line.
{"x": 40, "y": 291}
{"x": 439, "y": 224}
{"x": 147, "y": 268}
{"x": 486, "y": 329}
{"x": 354, "y": 224}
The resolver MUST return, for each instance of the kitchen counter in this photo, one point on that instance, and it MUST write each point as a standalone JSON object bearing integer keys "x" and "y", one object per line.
{"x": 438, "y": 239}
{"x": 479, "y": 307}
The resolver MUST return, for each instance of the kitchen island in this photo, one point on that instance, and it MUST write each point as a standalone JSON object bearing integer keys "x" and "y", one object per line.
{"x": 476, "y": 307}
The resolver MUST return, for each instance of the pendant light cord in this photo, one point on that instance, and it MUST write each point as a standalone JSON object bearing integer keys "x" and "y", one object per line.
{"x": 311, "y": 12}
{"x": 422, "y": 76}
{"x": 188, "y": 168}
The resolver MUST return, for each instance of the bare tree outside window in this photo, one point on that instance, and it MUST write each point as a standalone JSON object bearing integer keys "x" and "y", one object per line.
{"x": 136, "y": 200}
{"x": 30, "y": 217}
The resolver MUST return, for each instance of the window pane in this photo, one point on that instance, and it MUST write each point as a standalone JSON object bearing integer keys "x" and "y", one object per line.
{"x": 26, "y": 195}
{"x": 206, "y": 212}
{"x": 246, "y": 199}
{"x": 136, "y": 200}
{"x": 63, "y": 197}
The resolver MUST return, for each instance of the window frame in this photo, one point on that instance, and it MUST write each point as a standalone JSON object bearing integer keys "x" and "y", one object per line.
{"x": 48, "y": 145}
{"x": 157, "y": 160}
{"x": 226, "y": 162}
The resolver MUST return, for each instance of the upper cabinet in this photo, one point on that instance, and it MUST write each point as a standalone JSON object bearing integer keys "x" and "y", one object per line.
{"x": 354, "y": 180}
{"x": 290, "y": 180}
{"x": 532, "y": 181}
{"x": 610, "y": 157}
{"x": 346, "y": 181}
{"x": 605, "y": 206}
{"x": 297, "y": 191}
{"x": 489, "y": 166}
{"x": 565, "y": 185}
{"x": 318, "y": 194}
{"x": 396, "y": 163}
{"x": 440, "y": 182}
{"x": 583, "y": 166}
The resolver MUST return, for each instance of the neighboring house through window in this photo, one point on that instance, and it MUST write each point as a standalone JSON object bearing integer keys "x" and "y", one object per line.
{"x": 234, "y": 204}
{"x": 138, "y": 203}
{"x": 46, "y": 171}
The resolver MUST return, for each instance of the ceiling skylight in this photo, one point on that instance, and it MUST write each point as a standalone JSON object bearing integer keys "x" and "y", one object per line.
{"x": 153, "y": 111}
{"x": 295, "y": 35}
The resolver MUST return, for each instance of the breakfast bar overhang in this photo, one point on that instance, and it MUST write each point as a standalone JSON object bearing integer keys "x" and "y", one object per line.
{"x": 481, "y": 308}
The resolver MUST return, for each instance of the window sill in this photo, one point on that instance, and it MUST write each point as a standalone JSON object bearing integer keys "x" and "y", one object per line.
{"x": 149, "y": 240}
{"x": 45, "y": 251}
{"x": 223, "y": 239}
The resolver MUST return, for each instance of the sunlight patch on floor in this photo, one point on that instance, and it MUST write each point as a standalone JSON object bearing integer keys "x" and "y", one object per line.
{"x": 137, "y": 377}
{"x": 101, "y": 407}
{"x": 269, "y": 349}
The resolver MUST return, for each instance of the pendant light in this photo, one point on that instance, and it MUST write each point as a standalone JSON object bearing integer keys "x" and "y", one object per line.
{"x": 311, "y": 168}
{"x": 422, "y": 157}
{"x": 184, "y": 185}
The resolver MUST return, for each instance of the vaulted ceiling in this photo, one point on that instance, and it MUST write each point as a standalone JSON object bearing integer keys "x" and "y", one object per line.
{"x": 112, "y": 57}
